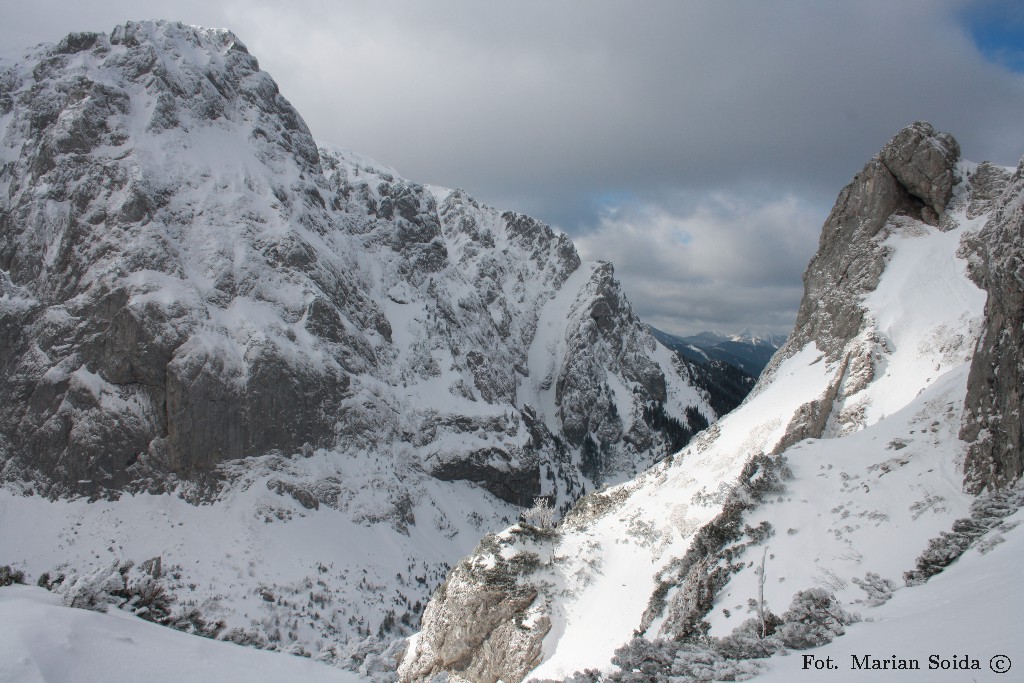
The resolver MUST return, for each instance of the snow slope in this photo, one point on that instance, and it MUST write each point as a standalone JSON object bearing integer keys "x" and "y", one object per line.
{"x": 971, "y": 610}
{"x": 43, "y": 642}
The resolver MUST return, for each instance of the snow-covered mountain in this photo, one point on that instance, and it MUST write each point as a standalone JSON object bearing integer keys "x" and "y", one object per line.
{"x": 848, "y": 474}
{"x": 302, "y": 381}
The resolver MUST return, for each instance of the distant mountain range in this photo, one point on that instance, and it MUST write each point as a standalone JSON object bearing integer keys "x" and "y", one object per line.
{"x": 747, "y": 351}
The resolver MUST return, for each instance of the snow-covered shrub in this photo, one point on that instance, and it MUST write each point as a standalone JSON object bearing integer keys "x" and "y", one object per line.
{"x": 190, "y": 620}
{"x": 541, "y": 515}
{"x": 114, "y": 585}
{"x": 879, "y": 590}
{"x": 96, "y": 590}
{"x": 138, "y": 592}
{"x": 814, "y": 618}
{"x": 10, "y": 576}
{"x": 698, "y": 664}
{"x": 661, "y": 661}
{"x": 987, "y": 512}
{"x": 248, "y": 638}
{"x": 147, "y": 598}
{"x": 643, "y": 661}
{"x": 745, "y": 642}
{"x": 50, "y": 583}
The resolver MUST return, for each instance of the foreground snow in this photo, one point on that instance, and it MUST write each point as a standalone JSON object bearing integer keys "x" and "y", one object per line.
{"x": 970, "y": 610}
{"x": 261, "y": 561}
{"x": 41, "y": 641}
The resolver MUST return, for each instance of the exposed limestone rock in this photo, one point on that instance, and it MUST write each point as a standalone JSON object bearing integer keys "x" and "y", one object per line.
{"x": 482, "y": 624}
{"x": 993, "y": 421}
{"x": 809, "y": 420}
{"x": 126, "y": 381}
{"x": 987, "y": 184}
{"x": 923, "y": 162}
{"x": 604, "y": 334}
{"x": 513, "y": 478}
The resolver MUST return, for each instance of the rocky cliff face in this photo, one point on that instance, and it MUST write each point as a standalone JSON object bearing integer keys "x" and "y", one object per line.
{"x": 189, "y": 279}
{"x": 160, "y": 221}
{"x": 993, "y": 422}
{"x": 877, "y": 364}
{"x": 910, "y": 180}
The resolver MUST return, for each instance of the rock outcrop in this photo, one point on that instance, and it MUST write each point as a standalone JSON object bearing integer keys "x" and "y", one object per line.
{"x": 483, "y": 624}
{"x": 993, "y": 421}
{"x": 913, "y": 175}
{"x": 923, "y": 161}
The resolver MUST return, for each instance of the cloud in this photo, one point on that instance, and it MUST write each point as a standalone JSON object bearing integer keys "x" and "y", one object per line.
{"x": 544, "y": 104}
{"x": 565, "y": 109}
{"x": 692, "y": 267}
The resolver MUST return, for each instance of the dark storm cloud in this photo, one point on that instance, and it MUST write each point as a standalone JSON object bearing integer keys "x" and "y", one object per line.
{"x": 573, "y": 110}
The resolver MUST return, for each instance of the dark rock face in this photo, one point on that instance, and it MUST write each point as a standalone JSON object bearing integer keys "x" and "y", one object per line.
{"x": 510, "y": 478}
{"x": 993, "y": 421}
{"x": 214, "y": 414}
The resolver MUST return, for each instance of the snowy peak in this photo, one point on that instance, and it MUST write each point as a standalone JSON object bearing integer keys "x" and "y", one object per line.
{"x": 221, "y": 288}
{"x": 752, "y": 338}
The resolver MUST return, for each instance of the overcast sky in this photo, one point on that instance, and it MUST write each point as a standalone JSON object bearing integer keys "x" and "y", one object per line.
{"x": 696, "y": 145}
